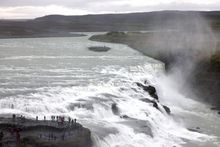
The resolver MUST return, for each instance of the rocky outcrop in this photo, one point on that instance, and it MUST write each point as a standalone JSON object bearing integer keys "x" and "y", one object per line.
{"x": 155, "y": 105}
{"x": 150, "y": 89}
{"x": 167, "y": 109}
{"x": 115, "y": 109}
{"x": 52, "y": 133}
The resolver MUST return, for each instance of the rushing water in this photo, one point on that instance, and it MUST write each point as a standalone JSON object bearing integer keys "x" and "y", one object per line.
{"x": 60, "y": 76}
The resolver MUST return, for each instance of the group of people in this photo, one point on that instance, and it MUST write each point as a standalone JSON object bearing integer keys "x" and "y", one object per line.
{"x": 60, "y": 120}
{"x": 14, "y": 132}
{"x": 22, "y": 118}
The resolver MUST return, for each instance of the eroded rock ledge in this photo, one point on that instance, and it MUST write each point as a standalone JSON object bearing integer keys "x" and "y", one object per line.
{"x": 22, "y": 132}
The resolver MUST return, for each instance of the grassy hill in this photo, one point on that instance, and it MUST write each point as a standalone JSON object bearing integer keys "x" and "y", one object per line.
{"x": 59, "y": 24}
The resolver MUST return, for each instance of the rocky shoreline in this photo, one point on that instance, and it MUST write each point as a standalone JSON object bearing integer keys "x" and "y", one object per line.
{"x": 23, "y": 132}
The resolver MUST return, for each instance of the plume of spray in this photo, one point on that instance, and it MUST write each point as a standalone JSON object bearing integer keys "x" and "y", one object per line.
{"x": 183, "y": 40}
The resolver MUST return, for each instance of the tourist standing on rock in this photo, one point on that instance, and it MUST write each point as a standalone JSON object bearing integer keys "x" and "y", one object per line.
{"x": 13, "y": 117}
{"x": 18, "y": 136}
{"x": 75, "y": 122}
{"x": 1, "y": 137}
{"x": 62, "y": 120}
{"x": 72, "y": 122}
{"x": 69, "y": 120}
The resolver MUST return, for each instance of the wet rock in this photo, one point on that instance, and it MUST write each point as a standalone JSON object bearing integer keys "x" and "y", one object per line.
{"x": 197, "y": 129}
{"x": 146, "y": 100}
{"x": 139, "y": 84}
{"x": 115, "y": 109}
{"x": 167, "y": 109}
{"x": 155, "y": 105}
{"x": 150, "y": 89}
{"x": 44, "y": 133}
{"x": 124, "y": 116}
{"x": 154, "y": 96}
{"x": 215, "y": 108}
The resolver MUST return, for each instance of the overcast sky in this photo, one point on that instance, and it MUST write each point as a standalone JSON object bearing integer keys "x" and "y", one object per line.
{"x": 11, "y": 9}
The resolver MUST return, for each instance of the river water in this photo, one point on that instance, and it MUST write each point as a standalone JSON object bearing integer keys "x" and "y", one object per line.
{"x": 60, "y": 76}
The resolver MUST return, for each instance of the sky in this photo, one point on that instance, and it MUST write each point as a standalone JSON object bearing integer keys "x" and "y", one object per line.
{"x": 24, "y": 9}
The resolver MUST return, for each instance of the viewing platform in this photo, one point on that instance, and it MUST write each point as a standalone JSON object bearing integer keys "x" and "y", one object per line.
{"x": 56, "y": 132}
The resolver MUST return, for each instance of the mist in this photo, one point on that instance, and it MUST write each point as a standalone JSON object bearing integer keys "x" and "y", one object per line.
{"x": 183, "y": 42}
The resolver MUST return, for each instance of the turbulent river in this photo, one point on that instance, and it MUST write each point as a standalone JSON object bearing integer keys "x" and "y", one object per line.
{"x": 60, "y": 76}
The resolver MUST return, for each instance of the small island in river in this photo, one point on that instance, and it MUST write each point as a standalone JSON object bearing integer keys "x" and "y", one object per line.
{"x": 99, "y": 48}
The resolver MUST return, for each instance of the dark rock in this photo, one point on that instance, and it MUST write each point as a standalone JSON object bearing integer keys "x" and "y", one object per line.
{"x": 124, "y": 116}
{"x": 214, "y": 108}
{"x": 47, "y": 133}
{"x": 146, "y": 100}
{"x": 154, "y": 96}
{"x": 155, "y": 105}
{"x": 150, "y": 89}
{"x": 219, "y": 112}
{"x": 115, "y": 109}
{"x": 194, "y": 130}
{"x": 167, "y": 109}
{"x": 99, "y": 48}
{"x": 139, "y": 84}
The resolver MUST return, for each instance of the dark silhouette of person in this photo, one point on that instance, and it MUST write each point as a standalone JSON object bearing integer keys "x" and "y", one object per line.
{"x": 18, "y": 136}
{"x": 62, "y": 120}
{"x": 13, "y": 117}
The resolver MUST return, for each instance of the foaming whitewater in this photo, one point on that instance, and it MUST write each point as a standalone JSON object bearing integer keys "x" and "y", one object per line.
{"x": 60, "y": 76}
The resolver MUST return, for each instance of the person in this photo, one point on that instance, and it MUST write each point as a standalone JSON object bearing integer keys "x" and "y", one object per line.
{"x": 44, "y": 118}
{"x": 75, "y": 122}
{"x": 63, "y": 136}
{"x": 23, "y": 119}
{"x": 36, "y": 118}
{"x": 13, "y": 117}
{"x": 1, "y": 137}
{"x": 62, "y": 120}
{"x": 72, "y": 122}
{"x": 18, "y": 139}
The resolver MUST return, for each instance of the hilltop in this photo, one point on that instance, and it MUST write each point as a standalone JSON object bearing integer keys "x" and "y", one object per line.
{"x": 59, "y": 25}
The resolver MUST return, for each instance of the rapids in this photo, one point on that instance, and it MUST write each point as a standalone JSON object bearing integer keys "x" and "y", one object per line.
{"x": 60, "y": 76}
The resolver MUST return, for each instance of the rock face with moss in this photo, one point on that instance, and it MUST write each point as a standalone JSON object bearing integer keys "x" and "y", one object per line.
{"x": 21, "y": 132}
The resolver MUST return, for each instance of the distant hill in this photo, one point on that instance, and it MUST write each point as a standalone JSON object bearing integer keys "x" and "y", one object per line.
{"x": 59, "y": 24}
